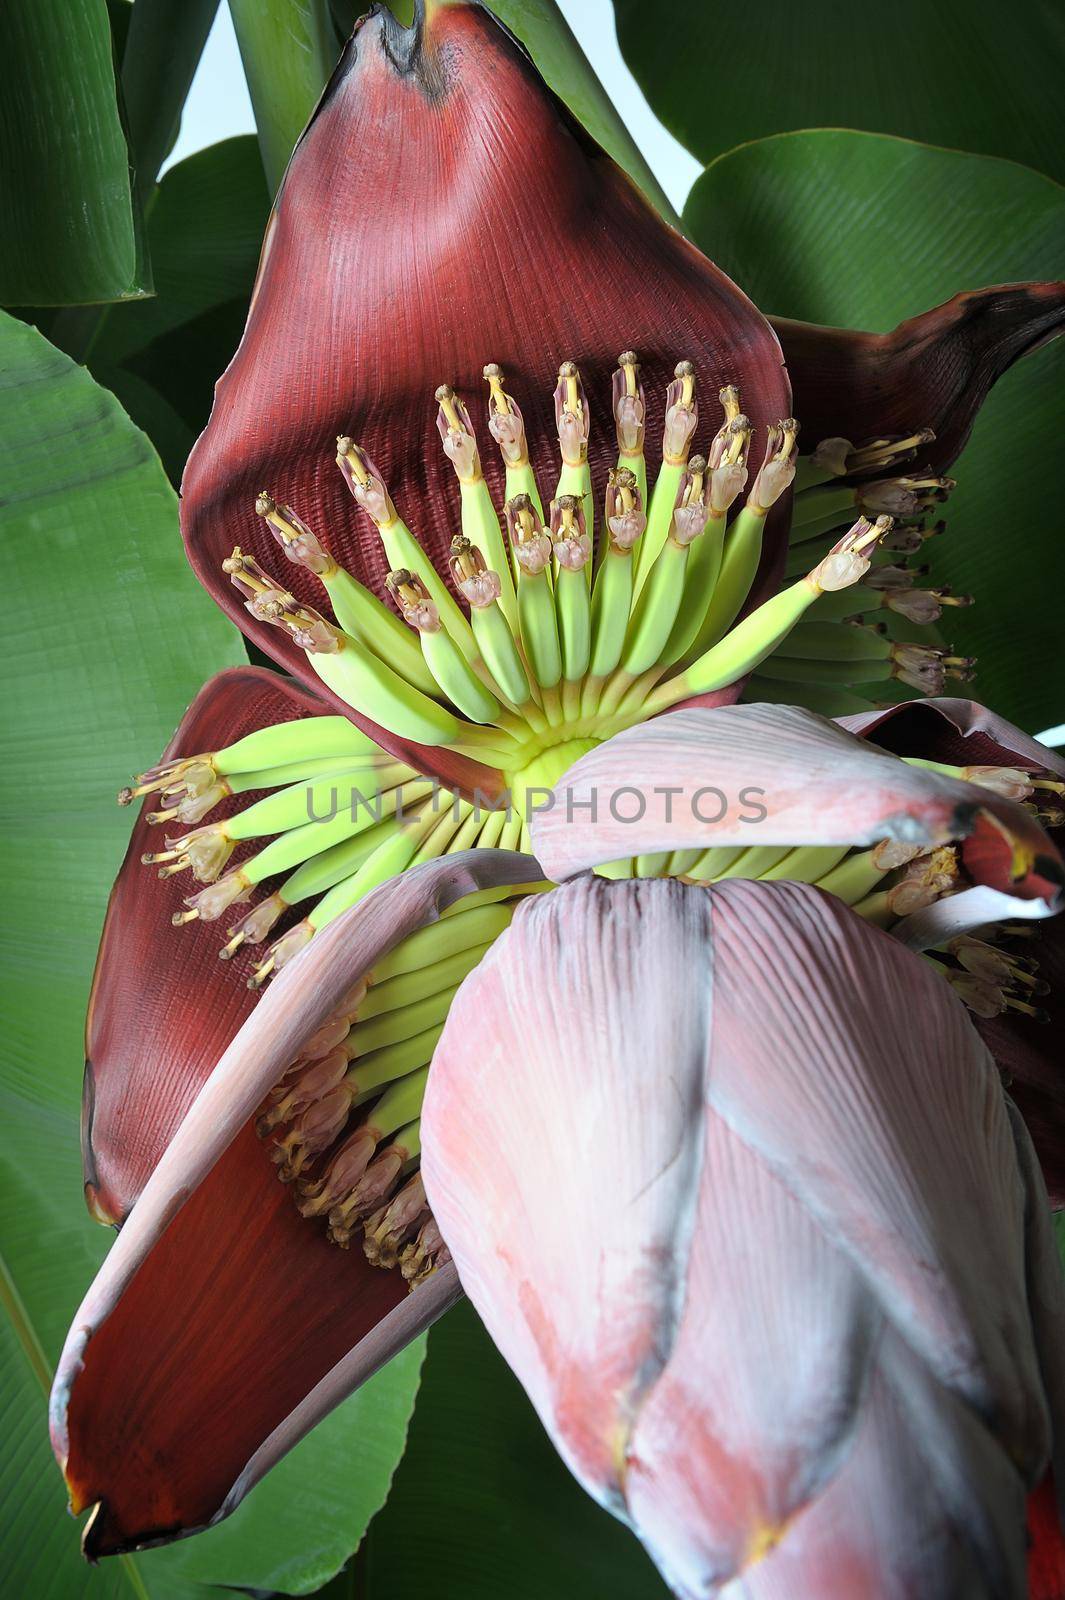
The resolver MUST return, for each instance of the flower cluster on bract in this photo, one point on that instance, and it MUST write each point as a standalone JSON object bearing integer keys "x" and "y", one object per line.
{"x": 508, "y": 238}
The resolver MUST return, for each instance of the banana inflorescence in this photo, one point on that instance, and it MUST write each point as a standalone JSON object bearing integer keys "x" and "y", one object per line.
{"x": 556, "y": 630}
{"x": 571, "y": 635}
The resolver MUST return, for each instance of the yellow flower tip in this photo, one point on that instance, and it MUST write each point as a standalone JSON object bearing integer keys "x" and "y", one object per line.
{"x": 413, "y": 601}
{"x": 629, "y": 404}
{"x": 365, "y": 482}
{"x": 96, "y": 1208}
{"x": 301, "y": 546}
{"x": 729, "y": 397}
{"x": 763, "y": 1539}
{"x": 456, "y": 434}
{"x": 682, "y": 414}
{"x": 571, "y": 415}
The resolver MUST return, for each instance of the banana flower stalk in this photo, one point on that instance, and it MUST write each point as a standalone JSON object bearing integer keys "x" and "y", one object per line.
{"x": 465, "y": 625}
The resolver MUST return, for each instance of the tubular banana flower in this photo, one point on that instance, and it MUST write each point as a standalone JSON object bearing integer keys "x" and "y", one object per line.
{"x": 324, "y": 1082}
{"x": 500, "y": 472}
{"x": 788, "y": 1300}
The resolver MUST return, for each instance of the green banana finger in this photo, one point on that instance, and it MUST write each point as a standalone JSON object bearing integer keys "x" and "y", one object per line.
{"x": 755, "y": 861}
{"x": 304, "y": 772}
{"x": 806, "y": 863}
{"x": 310, "y": 738}
{"x": 480, "y": 524}
{"x": 740, "y": 560}
{"x": 759, "y": 634}
{"x": 709, "y": 864}
{"x": 319, "y": 873}
{"x": 681, "y": 418}
{"x": 393, "y": 1027}
{"x": 458, "y": 931}
{"x": 573, "y": 612}
{"x": 854, "y": 878}
{"x": 449, "y": 667}
{"x": 659, "y": 516}
{"x": 299, "y": 845}
{"x": 391, "y": 857}
{"x": 812, "y": 506}
{"x": 403, "y": 990}
{"x": 655, "y": 612}
{"x": 370, "y": 686}
{"x": 496, "y": 644}
{"x": 401, "y": 1102}
{"x": 700, "y": 585}
{"x": 814, "y": 639}
{"x": 301, "y": 803}
{"x": 611, "y": 599}
{"x": 828, "y": 673}
{"x": 822, "y": 698}
{"x": 400, "y": 546}
{"x": 359, "y": 613}
{"x": 390, "y": 1066}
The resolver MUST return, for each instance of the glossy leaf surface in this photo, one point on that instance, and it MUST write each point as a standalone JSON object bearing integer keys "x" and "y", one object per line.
{"x": 857, "y": 230}
{"x": 503, "y": 1490}
{"x": 952, "y": 75}
{"x": 163, "y": 356}
{"x": 72, "y": 229}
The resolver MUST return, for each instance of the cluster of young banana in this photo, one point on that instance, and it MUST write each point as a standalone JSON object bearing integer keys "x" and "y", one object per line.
{"x": 560, "y": 648}
{"x": 341, "y": 816}
{"x": 892, "y": 880}
{"x": 563, "y": 642}
{"x": 343, "y": 1125}
{"x": 878, "y": 643}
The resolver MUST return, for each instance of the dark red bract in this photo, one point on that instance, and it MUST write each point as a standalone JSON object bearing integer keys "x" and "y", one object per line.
{"x": 442, "y": 210}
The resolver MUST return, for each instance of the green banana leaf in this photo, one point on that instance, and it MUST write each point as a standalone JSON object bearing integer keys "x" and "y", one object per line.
{"x": 861, "y": 230}
{"x": 299, "y": 1527}
{"x": 957, "y": 72}
{"x": 162, "y": 357}
{"x": 162, "y": 49}
{"x": 289, "y": 48}
{"x": 110, "y": 638}
{"x": 482, "y": 1507}
{"x": 72, "y": 225}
